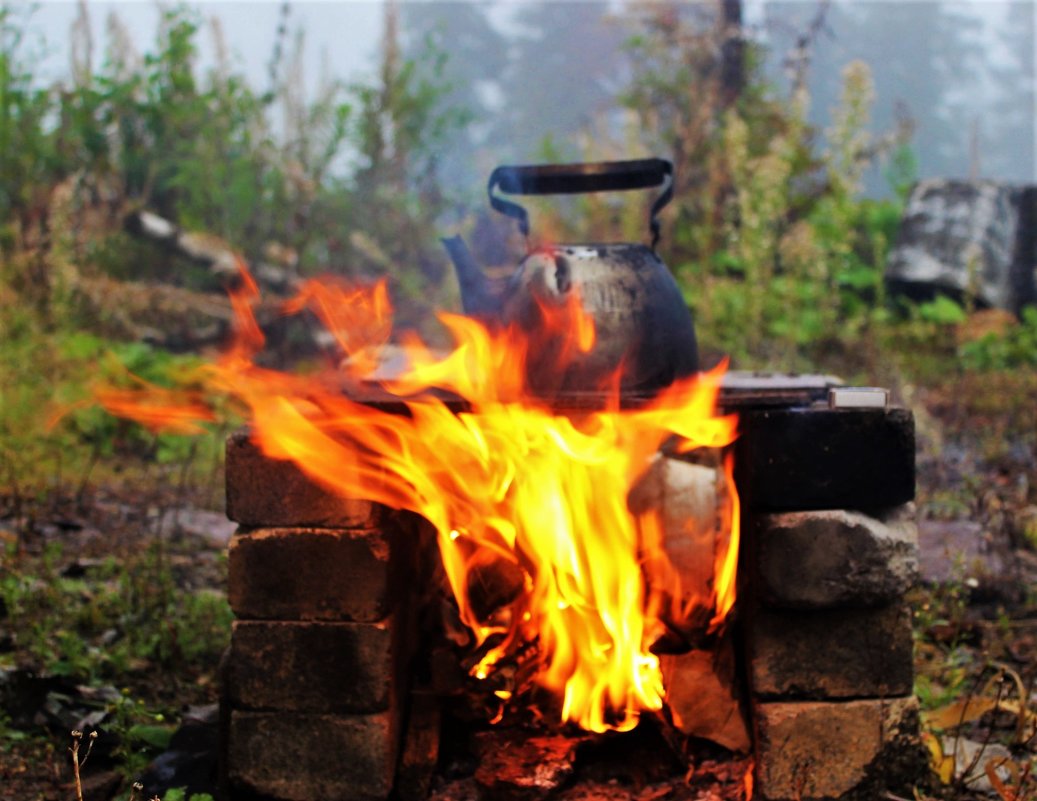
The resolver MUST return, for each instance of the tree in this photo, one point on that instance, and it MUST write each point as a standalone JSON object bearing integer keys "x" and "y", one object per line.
{"x": 925, "y": 59}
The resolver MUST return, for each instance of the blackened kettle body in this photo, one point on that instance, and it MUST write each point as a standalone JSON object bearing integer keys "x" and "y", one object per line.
{"x": 643, "y": 329}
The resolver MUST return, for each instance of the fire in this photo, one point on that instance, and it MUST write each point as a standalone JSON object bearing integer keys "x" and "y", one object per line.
{"x": 509, "y": 483}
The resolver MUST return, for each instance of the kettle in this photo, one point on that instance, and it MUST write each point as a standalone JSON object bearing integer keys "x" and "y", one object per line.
{"x": 643, "y": 329}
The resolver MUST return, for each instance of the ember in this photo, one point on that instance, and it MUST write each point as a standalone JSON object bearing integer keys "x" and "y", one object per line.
{"x": 509, "y": 480}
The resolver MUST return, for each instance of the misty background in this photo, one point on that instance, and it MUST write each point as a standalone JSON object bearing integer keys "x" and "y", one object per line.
{"x": 534, "y": 79}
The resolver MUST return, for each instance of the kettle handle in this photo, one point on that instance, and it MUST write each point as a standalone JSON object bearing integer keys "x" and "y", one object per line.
{"x": 569, "y": 179}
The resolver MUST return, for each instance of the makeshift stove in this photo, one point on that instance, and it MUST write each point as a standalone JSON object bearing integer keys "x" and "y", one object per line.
{"x": 335, "y": 686}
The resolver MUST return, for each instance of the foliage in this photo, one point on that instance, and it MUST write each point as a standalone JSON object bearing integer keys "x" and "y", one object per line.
{"x": 126, "y": 615}
{"x": 1014, "y": 348}
{"x": 777, "y": 252}
{"x": 149, "y": 131}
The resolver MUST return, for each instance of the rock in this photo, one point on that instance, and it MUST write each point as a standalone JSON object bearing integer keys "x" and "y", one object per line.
{"x": 970, "y": 762}
{"x": 685, "y": 497}
{"x": 961, "y": 238}
{"x": 190, "y": 761}
{"x": 850, "y": 751}
{"x": 842, "y": 653}
{"x": 212, "y": 527}
{"x": 835, "y": 558}
{"x": 700, "y": 692}
{"x": 958, "y": 551}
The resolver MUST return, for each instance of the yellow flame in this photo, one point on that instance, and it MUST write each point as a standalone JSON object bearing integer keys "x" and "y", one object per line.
{"x": 508, "y": 482}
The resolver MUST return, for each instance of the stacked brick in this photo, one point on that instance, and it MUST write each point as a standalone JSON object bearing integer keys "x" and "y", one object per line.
{"x": 830, "y": 553}
{"x": 313, "y": 680}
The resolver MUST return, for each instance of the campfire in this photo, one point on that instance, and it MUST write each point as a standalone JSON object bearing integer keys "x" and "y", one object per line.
{"x": 509, "y": 481}
{"x": 457, "y": 541}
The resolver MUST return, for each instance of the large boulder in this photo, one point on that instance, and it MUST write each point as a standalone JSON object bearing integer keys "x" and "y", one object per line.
{"x": 966, "y": 238}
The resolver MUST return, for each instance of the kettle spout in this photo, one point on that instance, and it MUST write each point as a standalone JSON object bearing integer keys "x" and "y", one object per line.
{"x": 477, "y": 299}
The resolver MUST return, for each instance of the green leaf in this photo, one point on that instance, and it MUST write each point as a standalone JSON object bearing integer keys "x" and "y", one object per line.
{"x": 942, "y": 311}
{"x": 157, "y": 737}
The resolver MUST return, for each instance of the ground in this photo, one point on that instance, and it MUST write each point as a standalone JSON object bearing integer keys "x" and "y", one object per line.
{"x": 113, "y": 613}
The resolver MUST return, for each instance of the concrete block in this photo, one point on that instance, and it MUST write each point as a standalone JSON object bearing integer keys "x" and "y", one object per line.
{"x": 318, "y": 574}
{"x": 314, "y": 667}
{"x": 269, "y": 492}
{"x": 835, "y": 558}
{"x": 820, "y": 458}
{"x": 295, "y": 757}
{"x": 831, "y": 654}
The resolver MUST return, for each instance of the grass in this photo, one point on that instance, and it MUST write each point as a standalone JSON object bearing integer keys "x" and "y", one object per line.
{"x": 113, "y": 623}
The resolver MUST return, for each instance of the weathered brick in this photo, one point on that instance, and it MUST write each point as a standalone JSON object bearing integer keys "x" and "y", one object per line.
{"x": 297, "y": 757}
{"x": 848, "y": 653}
{"x": 262, "y": 491}
{"x": 318, "y": 574}
{"x": 835, "y": 558}
{"x": 848, "y": 751}
{"x": 791, "y": 459}
{"x": 314, "y": 667}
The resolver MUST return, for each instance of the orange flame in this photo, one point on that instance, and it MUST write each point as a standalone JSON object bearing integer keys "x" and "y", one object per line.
{"x": 509, "y": 482}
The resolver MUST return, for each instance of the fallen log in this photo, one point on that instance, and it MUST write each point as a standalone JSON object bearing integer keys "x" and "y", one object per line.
{"x": 207, "y": 250}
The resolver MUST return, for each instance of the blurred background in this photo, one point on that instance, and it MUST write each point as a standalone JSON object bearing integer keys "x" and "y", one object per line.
{"x": 146, "y": 146}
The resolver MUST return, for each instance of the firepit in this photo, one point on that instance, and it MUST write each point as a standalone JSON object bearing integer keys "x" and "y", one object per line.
{"x": 339, "y": 682}
{"x": 517, "y": 569}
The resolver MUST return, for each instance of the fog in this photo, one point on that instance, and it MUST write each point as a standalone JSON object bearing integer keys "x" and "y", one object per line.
{"x": 535, "y": 76}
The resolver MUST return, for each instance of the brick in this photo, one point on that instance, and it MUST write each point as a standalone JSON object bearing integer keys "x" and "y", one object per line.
{"x": 262, "y": 491}
{"x": 314, "y": 667}
{"x": 296, "y": 757}
{"x": 846, "y": 653}
{"x": 318, "y": 574}
{"x": 835, "y": 558}
{"x": 817, "y": 458}
{"x": 849, "y": 751}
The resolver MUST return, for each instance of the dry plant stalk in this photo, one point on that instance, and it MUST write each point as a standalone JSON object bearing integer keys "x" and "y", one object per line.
{"x": 77, "y": 763}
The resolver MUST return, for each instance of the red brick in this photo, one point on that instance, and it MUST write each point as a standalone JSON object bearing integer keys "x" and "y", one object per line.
{"x": 318, "y": 574}
{"x": 262, "y": 491}
{"x": 845, "y": 751}
{"x": 297, "y": 757}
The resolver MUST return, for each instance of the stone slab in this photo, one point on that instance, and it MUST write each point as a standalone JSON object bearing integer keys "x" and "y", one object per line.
{"x": 313, "y": 667}
{"x": 842, "y": 653}
{"x": 701, "y": 692}
{"x": 318, "y": 574}
{"x": 262, "y": 492}
{"x": 820, "y": 458}
{"x": 295, "y": 757}
{"x": 849, "y": 751}
{"x": 835, "y": 558}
